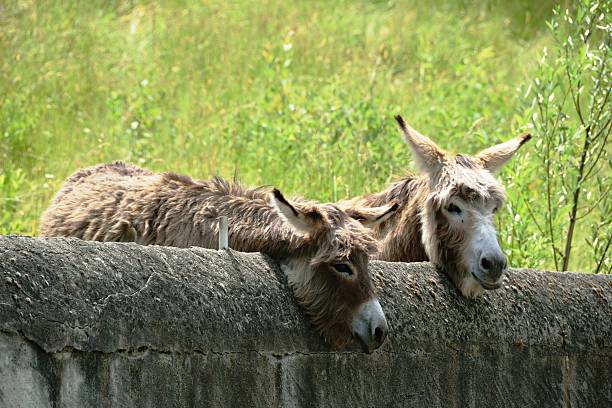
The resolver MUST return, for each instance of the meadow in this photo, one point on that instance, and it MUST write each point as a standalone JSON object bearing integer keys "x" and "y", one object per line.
{"x": 300, "y": 95}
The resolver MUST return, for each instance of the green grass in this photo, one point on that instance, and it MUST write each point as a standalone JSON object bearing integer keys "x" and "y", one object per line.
{"x": 300, "y": 95}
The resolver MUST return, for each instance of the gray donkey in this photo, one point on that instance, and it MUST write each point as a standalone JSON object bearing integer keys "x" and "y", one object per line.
{"x": 323, "y": 251}
{"x": 446, "y": 214}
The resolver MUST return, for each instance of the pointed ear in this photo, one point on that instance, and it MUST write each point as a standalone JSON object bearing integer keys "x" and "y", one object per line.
{"x": 306, "y": 219}
{"x": 373, "y": 216}
{"x": 429, "y": 157}
{"x": 496, "y": 156}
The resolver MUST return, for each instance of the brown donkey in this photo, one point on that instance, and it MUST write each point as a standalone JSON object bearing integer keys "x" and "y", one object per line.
{"x": 446, "y": 213}
{"x": 322, "y": 250}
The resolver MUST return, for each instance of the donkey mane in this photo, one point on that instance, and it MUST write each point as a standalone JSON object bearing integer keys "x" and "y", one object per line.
{"x": 400, "y": 191}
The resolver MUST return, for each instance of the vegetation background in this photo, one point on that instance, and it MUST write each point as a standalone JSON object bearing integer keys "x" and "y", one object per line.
{"x": 301, "y": 95}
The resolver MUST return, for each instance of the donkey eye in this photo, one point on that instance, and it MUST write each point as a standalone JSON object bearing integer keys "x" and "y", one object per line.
{"x": 454, "y": 209}
{"x": 343, "y": 268}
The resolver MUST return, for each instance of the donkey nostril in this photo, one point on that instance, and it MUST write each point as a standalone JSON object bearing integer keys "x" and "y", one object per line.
{"x": 485, "y": 263}
{"x": 379, "y": 335}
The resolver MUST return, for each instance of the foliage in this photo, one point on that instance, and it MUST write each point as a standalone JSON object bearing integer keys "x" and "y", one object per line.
{"x": 572, "y": 117}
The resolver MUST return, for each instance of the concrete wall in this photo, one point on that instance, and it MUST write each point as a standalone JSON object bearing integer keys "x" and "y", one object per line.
{"x": 87, "y": 324}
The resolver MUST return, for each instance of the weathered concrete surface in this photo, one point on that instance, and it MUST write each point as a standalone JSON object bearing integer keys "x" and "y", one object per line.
{"x": 87, "y": 324}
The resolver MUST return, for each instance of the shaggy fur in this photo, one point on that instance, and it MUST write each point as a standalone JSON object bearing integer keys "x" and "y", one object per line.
{"x": 120, "y": 202}
{"x": 420, "y": 230}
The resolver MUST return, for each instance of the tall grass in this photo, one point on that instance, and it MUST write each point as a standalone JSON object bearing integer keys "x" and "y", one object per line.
{"x": 295, "y": 94}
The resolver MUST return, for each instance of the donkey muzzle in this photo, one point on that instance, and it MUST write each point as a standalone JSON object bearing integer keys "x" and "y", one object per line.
{"x": 370, "y": 325}
{"x": 491, "y": 267}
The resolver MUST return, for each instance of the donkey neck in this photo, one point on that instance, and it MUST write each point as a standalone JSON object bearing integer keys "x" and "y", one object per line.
{"x": 400, "y": 236}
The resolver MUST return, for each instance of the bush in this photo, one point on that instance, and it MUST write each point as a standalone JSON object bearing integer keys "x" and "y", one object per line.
{"x": 567, "y": 208}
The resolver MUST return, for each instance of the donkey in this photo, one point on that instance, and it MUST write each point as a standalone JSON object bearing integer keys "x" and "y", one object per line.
{"x": 446, "y": 214}
{"x": 323, "y": 251}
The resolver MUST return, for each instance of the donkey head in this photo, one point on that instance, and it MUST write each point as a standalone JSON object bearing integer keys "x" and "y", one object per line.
{"x": 331, "y": 280}
{"x": 457, "y": 219}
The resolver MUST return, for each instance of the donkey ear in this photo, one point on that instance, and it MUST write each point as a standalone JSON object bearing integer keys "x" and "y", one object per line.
{"x": 371, "y": 217}
{"x": 306, "y": 219}
{"x": 496, "y": 156}
{"x": 429, "y": 157}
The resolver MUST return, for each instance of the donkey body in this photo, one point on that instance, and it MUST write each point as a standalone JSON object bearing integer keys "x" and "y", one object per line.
{"x": 323, "y": 251}
{"x": 446, "y": 213}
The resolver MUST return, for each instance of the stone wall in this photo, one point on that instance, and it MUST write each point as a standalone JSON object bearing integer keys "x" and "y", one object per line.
{"x": 86, "y": 324}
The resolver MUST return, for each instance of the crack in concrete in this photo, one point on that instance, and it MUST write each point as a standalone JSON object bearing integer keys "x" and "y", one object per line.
{"x": 147, "y": 349}
{"x": 104, "y": 301}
